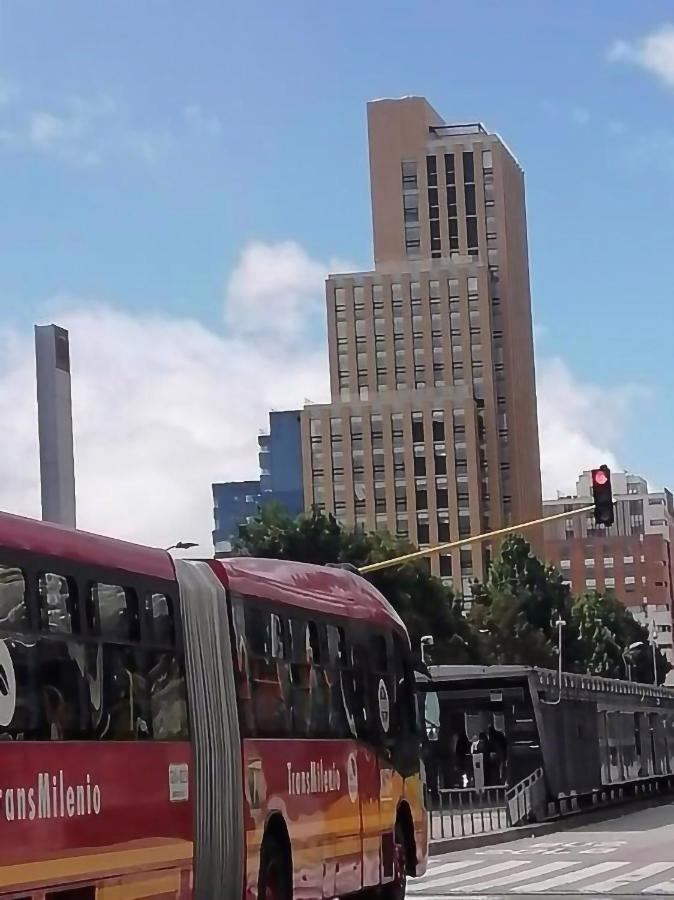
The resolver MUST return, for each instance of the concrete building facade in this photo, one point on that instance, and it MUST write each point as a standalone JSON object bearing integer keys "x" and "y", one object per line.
{"x": 432, "y": 430}
{"x": 55, "y": 425}
{"x": 632, "y": 558}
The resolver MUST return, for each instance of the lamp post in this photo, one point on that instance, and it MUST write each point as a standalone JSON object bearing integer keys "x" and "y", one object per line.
{"x": 626, "y": 659}
{"x": 560, "y": 623}
{"x": 654, "y": 651}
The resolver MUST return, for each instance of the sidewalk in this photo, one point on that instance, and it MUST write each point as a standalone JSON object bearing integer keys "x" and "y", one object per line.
{"x": 567, "y": 822}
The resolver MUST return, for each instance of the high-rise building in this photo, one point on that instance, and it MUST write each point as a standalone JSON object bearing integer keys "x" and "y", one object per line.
{"x": 432, "y": 430}
{"x": 632, "y": 558}
{"x": 280, "y": 459}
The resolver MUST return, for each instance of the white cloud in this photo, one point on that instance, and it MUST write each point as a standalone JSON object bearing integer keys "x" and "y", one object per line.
{"x": 164, "y": 406}
{"x": 654, "y": 52}
{"x": 83, "y": 131}
{"x": 570, "y": 414}
{"x": 270, "y": 292}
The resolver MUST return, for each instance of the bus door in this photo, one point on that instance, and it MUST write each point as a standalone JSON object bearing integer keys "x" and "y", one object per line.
{"x": 343, "y": 871}
{"x": 367, "y": 758}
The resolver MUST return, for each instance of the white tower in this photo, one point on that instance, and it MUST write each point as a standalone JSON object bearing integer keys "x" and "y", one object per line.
{"x": 55, "y": 423}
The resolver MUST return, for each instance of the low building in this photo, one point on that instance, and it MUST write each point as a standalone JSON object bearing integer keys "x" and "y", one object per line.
{"x": 280, "y": 481}
{"x": 632, "y": 558}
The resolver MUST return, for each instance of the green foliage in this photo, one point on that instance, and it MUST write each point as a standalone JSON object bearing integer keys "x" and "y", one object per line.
{"x": 607, "y": 630}
{"x": 515, "y": 610}
{"x": 513, "y": 614}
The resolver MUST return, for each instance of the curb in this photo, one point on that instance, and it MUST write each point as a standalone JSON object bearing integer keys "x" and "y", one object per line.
{"x": 520, "y": 832}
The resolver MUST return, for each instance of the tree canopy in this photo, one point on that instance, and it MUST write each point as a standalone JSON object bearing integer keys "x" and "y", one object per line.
{"x": 514, "y": 613}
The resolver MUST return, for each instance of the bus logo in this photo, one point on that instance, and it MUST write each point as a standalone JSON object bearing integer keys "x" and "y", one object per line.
{"x": 7, "y": 686}
{"x": 384, "y": 706}
{"x": 352, "y": 777}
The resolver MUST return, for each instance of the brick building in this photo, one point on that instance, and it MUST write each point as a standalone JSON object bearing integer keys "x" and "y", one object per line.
{"x": 633, "y": 558}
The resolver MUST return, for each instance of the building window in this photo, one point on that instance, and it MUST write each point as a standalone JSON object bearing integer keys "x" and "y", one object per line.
{"x": 630, "y": 579}
{"x": 565, "y": 563}
{"x": 609, "y": 582}
{"x": 411, "y": 209}
{"x": 608, "y": 561}
{"x": 590, "y": 582}
{"x": 409, "y": 171}
{"x": 468, "y": 166}
{"x": 487, "y": 160}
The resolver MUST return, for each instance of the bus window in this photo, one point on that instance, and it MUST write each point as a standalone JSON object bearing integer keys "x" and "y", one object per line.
{"x": 379, "y": 655}
{"x": 57, "y": 600}
{"x": 160, "y": 610}
{"x": 168, "y": 698}
{"x": 125, "y": 692}
{"x": 242, "y": 667}
{"x": 337, "y": 647}
{"x": 65, "y": 704}
{"x": 115, "y": 611}
{"x": 13, "y": 609}
{"x": 313, "y": 640}
{"x": 270, "y": 685}
{"x": 405, "y": 718}
{"x": 277, "y": 638}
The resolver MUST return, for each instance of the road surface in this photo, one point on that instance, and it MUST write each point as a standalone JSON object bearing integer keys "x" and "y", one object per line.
{"x": 629, "y": 856}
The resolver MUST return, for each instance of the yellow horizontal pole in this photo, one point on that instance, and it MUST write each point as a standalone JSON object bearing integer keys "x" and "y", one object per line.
{"x": 428, "y": 551}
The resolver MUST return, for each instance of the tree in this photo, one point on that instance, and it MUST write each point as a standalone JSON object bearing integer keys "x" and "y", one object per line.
{"x": 515, "y": 610}
{"x": 422, "y": 601}
{"x": 606, "y": 630}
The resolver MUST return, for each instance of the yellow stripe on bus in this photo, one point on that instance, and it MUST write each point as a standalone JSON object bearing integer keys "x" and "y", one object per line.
{"x": 148, "y": 887}
{"x": 115, "y": 862}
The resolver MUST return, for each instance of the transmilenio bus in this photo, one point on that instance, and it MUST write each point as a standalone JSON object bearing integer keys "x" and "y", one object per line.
{"x": 239, "y": 728}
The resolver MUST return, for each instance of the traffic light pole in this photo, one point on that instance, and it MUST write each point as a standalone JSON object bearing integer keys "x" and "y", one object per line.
{"x": 464, "y": 542}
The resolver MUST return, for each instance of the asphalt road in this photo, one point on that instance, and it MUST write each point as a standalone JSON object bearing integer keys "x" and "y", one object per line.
{"x": 628, "y": 856}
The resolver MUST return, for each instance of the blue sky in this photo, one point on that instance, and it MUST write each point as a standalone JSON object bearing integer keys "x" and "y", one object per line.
{"x": 144, "y": 147}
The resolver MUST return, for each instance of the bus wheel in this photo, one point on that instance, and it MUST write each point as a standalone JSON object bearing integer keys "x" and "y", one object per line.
{"x": 274, "y": 882}
{"x": 395, "y": 890}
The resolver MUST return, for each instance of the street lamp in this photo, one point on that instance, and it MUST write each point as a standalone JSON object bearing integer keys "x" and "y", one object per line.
{"x": 626, "y": 659}
{"x": 560, "y": 623}
{"x": 182, "y": 545}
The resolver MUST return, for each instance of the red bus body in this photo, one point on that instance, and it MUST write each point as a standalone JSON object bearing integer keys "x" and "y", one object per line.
{"x": 116, "y": 818}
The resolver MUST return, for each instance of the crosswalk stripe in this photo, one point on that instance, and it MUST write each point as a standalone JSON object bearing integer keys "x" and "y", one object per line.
{"x": 665, "y": 887}
{"x": 603, "y": 887}
{"x": 451, "y": 867}
{"x": 513, "y": 877}
{"x": 568, "y": 877}
{"x": 451, "y": 879}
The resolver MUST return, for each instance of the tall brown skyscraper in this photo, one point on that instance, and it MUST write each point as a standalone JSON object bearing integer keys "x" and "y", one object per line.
{"x": 432, "y": 430}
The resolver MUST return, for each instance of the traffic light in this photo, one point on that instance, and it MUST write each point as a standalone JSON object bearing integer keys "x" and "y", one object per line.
{"x": 602, "y": 495}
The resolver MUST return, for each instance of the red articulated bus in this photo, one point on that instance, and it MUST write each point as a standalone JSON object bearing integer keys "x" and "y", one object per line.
{"x": 239, "y": 728}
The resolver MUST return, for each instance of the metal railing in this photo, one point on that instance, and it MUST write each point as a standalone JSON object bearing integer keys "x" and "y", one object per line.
{"x": 526, "y": 800}
{"x": 460, "y": 812}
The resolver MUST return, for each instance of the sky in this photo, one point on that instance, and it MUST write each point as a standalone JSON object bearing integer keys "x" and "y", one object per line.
{"x": 176, "y": 181}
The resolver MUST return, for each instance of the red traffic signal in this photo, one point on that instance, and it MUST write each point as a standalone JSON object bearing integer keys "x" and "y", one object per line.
{"x": 602, "y": 494}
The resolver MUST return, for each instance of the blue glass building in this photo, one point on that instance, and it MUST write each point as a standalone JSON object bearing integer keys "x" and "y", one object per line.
{"x": 280, "y": 459}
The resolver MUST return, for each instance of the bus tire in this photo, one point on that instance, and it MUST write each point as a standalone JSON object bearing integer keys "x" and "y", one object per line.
{"x": 275, "y": 878}
{"x": 395, "y": 890}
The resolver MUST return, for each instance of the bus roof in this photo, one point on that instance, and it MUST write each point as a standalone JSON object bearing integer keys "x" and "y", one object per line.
{"x": 324, "y": 589}
{"x": 45, "y": 538}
